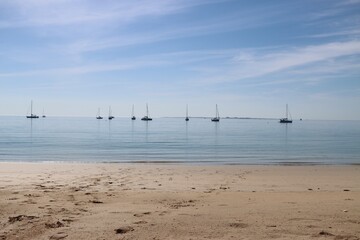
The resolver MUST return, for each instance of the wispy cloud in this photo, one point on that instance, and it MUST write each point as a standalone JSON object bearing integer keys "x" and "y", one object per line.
{"x": 354, "y": 32}
{"x": 265, "y": 66}
{"x": 39, "y": 13}
{"x": 231, "y": 64}
{"x": 233, "y": 22}
{"x": 257, "y": 64}
{"x": 74, "y": 17}
{"x": 82, "y": 69}
{"x": 348, "y": 2}
{"x": 336, "y": 18}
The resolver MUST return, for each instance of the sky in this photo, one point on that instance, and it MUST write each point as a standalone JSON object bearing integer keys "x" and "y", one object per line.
{"x": 72, "y": 57}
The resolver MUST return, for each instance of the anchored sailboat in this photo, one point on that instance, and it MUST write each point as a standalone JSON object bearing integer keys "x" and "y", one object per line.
{"x": 217, "y": 116}
{"x": 110, "y": 114}
{"x": 31, "y": 112}
{"x": 187, "y": 114}
{"x": 147, "y": 117}
{"x": 286, "y": 120}
{"x": 43, "y": 115}
{"x": 98, "y": 115}
{"x": 133, "y": 116}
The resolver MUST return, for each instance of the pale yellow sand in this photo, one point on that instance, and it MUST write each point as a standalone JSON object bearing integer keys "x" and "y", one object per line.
{"x": 91, "y": 201}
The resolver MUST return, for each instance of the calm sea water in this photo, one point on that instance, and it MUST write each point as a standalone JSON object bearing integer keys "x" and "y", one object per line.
{"x": 174, "y": 140}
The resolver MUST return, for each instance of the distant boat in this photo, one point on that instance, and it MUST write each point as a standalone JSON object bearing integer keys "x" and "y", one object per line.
{"x": 147, "y": 117}
{"x": 31, "y": 112}
{"x": 286, "y": 119}
{"x": 133, "y": 115}
{"x": 217, "y": 116}
{"x": 187, "y": 114}
{"x": 98, "y": 115}
{"x": 110, "y": 114}
{"x": 43, "y": 115}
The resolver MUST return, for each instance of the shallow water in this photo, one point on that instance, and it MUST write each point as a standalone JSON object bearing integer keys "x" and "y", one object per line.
{"x": 235, "y": 141}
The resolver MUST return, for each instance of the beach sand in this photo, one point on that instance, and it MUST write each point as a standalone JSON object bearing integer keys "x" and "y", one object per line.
{"x": 140, "y": 201}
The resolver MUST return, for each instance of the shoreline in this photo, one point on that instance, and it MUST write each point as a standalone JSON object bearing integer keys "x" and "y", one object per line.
{"x": 173, "y": 201}
{"x": 190, "y": 163}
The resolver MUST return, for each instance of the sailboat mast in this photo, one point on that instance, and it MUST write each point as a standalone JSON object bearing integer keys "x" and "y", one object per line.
{"x": 217, "y": 112}
{"x": 31, "y": 107}
{"x": 132, "y": 110}
{"x": 187, "y": 114}
{"x": 147, "y": 110}
{"x": 286, "y": 111}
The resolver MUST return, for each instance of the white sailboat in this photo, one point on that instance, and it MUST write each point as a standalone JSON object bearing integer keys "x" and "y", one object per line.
{"x": 217, "y": 115}
{"x": 286, "y": 119}
{"x": 31, "y": 112}
{"x": 98, "y": 115}
{"x": 187, "y": 114}
{"x": 110, "y": 114}
{"x": 147, "y": 117}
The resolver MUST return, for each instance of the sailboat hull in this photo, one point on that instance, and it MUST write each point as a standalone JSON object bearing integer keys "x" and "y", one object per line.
{"x": 34, "y": 116}
{"x": 146, "y": 119}
{"x": 285, "y": 120}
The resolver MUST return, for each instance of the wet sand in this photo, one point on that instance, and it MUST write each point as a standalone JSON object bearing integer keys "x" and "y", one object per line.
{"x": 139, "y": 201}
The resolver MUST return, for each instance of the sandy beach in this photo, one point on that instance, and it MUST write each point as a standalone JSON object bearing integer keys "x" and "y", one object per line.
{"x": 140, "y": 201}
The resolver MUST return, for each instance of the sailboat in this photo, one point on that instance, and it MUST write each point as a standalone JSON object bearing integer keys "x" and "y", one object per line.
{"x": 187, "y": 114}
{"x": 133, "y": 116}
{"x": 110, "y": 114}
{"x": 147, "y": 117}
{"x": 286, "y": 120}
{"x": 217, "y": 116}
{"x": 31, "y": 114}
{"x": 43, "y": 115}
{"x": 98, "y": 115}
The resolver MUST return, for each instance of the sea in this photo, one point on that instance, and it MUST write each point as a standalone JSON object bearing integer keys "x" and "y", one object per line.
{"x": 173, "y": 140}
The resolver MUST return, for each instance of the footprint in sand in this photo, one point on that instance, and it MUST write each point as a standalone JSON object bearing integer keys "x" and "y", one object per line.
{"x": 13, "y": 198}
{"x": 71, "y": 198}
{"x": 238, "y": 225}
{"x": 57, "y": 236}
{"x": 29, "y": 201}
{"x": 210, "y": 190}
{"x": 68, "y": 220}
{"x": 163, "y": 213}
{"x": 122, "y": 230}
{"x": 21, "y": 218}
{"x": 141, "y": 214}
{"x": 57, "y": 224}
{"x": 141, "y": 222}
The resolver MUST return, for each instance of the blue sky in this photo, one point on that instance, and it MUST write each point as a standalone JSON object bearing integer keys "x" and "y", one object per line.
{"x": 249, "y": 57}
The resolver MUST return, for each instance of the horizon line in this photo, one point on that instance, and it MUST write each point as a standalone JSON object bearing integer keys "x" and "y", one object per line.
{"x": 196, "y": 117}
